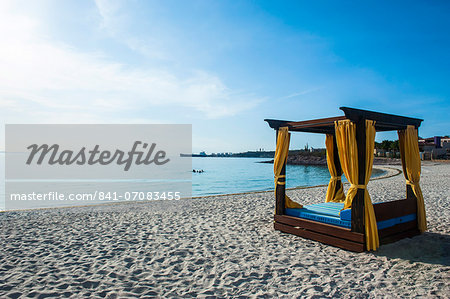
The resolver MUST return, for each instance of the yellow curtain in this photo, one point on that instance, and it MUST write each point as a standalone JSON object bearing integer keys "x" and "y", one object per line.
{"x": 409, "y": 149}
{"x": 281, "y": 154}
{"x": 372, "y": 241}
{"x": 332, "y": 195}
{"x": 348, "y": 156}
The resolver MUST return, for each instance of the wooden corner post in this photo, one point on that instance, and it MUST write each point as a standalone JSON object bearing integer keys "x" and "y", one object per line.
{"x": 409, "y": 191}
{"x": 358, "y": 201}
{"x": 280, "y": 190}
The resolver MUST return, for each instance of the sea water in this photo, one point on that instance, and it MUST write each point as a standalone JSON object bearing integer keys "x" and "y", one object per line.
{"x": 229, "y": 175}
{"x": 237, "y": 175}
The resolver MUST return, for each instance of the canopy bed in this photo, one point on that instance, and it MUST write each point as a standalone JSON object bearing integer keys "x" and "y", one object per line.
{"x": 350, "y": 221}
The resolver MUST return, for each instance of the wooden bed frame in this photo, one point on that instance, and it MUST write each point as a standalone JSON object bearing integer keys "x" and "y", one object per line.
{"x": 346, "y": 238}
{"x": 350, "y": 239}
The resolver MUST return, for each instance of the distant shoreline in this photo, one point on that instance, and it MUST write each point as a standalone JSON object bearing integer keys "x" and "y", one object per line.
{"x": 322, "y": 161}
{"x": 248, "y": 154}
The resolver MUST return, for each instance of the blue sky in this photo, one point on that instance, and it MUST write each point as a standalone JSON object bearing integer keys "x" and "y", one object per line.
{"x": 224, "y": 66}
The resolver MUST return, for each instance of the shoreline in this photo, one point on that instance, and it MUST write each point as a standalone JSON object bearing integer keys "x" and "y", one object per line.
{"x": 389, "y": 173}
{"x": 321, "y": 160}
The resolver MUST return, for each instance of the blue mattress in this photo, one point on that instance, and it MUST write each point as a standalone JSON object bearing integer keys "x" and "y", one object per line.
{"x": 327, "y": 212}
{"x": 330, "y": 213}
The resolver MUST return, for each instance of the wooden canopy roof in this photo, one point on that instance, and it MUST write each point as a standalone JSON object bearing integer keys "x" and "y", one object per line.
{"x": 383, "y": 121}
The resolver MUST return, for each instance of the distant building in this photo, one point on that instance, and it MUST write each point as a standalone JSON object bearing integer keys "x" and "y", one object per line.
{"x": 317, "y": 150}
{"x": 379, "y": 152}
{"x": 437, "y": 147}
{"x": 445, "y": 142}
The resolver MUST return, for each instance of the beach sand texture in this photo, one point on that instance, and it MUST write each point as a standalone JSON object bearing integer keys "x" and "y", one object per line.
{"x": 217, "y": 246}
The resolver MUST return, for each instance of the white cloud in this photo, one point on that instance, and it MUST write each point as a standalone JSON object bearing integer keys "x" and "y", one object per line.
{"x": 108, "y": 11}
{"x": 115, "y": 23}
{"x": 43, "y": 80}
{"x": 301, "y": 93}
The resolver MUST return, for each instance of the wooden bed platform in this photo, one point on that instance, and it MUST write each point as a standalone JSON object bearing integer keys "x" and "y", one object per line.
{"x": 344, "y": 237}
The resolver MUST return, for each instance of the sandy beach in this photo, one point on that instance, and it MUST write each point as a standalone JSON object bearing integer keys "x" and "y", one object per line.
{"x": 218, "y": 246}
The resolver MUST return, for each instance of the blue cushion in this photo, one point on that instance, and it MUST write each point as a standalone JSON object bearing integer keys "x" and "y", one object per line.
{"x": 326, "y": 208}
{"x": 346, "y": 214}
{"x": 324, "y": 214}
{"x": 395, "y": 221}
{"x": 332, "y": 213}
